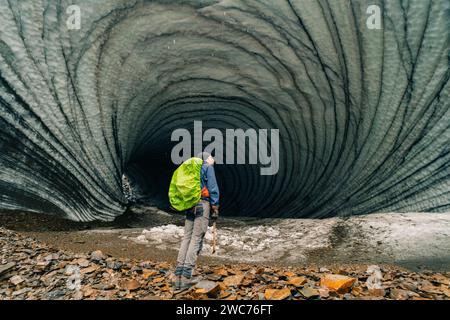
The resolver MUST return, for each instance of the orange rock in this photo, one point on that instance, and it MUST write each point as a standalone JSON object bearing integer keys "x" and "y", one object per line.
{"x": 207, "y": 288}
{"x": 297, "y": 281}
{"x": 337, "y": 282}
{"x": 377, "y": 292}
{"x": 151, "y": 297}
{"x": 277, "y": 294}
{"x": 259, "y": 271}
{"x": 221, "y": 272}
{"x": 441, "y": 279}
{"x": 421, "y": 298}
{"x": 88, "y": 292}
{"x": 164, "y": 265}
{"x": 223, "y": 286}
{"x": 429, "y": 288}
{"x": 165, "y": 288}
{"x": 246, "y": 282}
{"x": 289, "y": 274}
{"x": 224, "y": 295}
{"x": 89, "y": 269}
{"x": 233, "y": 280}
{"x": 146, "y": 273}
{"x": 445, "y": 290}
{"x": 130, "y": 285}
{"x": 399, "y": 294}
{"x": 157, "y": 280}
{"x": 356, "y": 291}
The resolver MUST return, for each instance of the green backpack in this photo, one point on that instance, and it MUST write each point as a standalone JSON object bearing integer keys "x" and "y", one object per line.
{"x": 184, "y": 190}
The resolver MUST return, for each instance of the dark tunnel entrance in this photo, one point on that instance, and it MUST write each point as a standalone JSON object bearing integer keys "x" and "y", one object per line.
{"x": 244, "y": 190}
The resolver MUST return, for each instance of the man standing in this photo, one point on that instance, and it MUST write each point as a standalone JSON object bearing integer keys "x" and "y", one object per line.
{"x": 196, "y": 224}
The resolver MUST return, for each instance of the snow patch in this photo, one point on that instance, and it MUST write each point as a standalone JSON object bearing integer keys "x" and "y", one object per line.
{"x": 288, "y": 239}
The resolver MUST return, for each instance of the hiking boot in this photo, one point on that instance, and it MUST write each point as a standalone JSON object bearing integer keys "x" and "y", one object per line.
{"x": 185, "y": 282}
{"x": 196, "y": 279}
{"x": 174, "y": 280}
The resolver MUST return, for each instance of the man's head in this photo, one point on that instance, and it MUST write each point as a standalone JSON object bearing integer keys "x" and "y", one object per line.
{"x": 206, "y": 157}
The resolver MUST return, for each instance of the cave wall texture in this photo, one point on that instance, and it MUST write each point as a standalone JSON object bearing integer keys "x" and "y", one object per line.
{"x": 363, "y": 114}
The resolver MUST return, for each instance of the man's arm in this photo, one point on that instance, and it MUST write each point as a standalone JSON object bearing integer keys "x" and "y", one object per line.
{"x": 213, "y": 188}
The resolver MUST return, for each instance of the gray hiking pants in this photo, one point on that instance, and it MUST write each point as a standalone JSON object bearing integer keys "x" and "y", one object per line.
{"x": 195, "y": 227}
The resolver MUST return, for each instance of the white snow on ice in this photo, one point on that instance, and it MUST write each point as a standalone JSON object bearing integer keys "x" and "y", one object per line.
{"x": 401, "y": 236}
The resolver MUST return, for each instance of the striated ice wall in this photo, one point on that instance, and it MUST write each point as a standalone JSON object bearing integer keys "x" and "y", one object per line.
{"x": 363, "y": 113}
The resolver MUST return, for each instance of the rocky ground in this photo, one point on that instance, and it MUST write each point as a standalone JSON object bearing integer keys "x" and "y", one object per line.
{"x": 30, "y": 269}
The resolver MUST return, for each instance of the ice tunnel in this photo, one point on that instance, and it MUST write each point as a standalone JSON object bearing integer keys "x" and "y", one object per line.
{"x": 93, "y": 89}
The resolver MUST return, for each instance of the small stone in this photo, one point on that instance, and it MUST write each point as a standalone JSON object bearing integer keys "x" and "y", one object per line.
{"x": 113, "y": 264}
{"x": 336, "y": 282}
{"x": 89, "y": 269}
{"x": 43, "y": 263}
{"x": 16, "y": 280}
{"x": 130, "y": 285}
{"x": 289, "y": 274}
{"x": 151, "y": 297}
{"x": 309, "y": 292}
{"x": 235, "y": 280}
{"x": 4, "y": 268}
{"x": 164, "y": 265}
{"x": 97, "y": 255}
{"x": 277, "y": 294}
{"x": 146, "y": 273}
{"x": 399, "y": 294}
{"x": 158, "y": 280}
{"x": 206, "y": 287}
{"x": 88, "y": 292}
{"x": 356, "y": 291}
{"x": 429, "y": 288}
{"x": 51, "y": 257}
{"x": 224, "y": 295}
{"x": 213, "y": 277}
{"x": 259, "y": 270}
{"x": 376, "y": 292}
{"x": 348, "y": 296}
{"x": 21, "y": 291}
{"x": 408, "y": 286}
{"x": 445, "y": 290}
{"x": 78, "y": 295}
{"x": 221, "y": 272}
{"x": 438, "y": 278}
{"x": 324, "y": 292}
{"x": 82, "y": 262}
{"x": 103, "y": 286}
{"x": 297, "y": 281}
{"x": 55, "y": 294}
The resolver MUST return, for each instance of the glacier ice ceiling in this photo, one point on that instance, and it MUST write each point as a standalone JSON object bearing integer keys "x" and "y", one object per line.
{"x": 363, "y": 114}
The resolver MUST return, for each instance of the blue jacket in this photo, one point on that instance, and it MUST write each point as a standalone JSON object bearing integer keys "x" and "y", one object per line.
{"x": 208, "y": 179}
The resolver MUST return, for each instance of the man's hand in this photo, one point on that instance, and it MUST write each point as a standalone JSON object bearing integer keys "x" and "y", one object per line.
{"x": 214, "y": 213}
